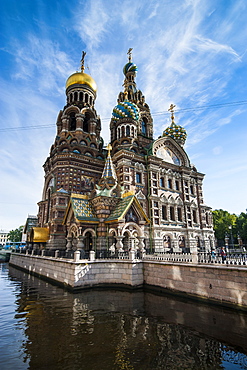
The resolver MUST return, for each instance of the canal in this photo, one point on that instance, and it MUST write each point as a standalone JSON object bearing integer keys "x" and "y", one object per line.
{"x": 43, "y": 326}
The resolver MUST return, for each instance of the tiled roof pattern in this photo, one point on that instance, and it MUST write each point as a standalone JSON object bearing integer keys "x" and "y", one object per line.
{"x": 121, "y": 208}
{"x": 109, "y": 170}
{"x": 83, "y": 209}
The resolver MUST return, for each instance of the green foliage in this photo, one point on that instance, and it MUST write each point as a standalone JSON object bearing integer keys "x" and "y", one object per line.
{"x": 227, "y": 223}
{"x": 242, "y": 225}
{"x": 16, "y": 235}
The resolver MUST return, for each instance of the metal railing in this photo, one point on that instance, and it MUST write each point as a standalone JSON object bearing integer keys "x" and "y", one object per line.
{"x": 239, "y": 259}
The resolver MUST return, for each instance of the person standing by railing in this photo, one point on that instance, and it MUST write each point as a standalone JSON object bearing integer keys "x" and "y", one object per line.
{"x": 223, "y": 254}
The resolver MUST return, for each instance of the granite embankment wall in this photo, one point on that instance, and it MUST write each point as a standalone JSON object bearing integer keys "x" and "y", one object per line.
{"x": 219, "y": 284}
{"x": 82, "y": 274}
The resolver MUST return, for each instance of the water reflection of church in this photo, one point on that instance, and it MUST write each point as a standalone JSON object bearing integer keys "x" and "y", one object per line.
{"x": 139, "y": 193}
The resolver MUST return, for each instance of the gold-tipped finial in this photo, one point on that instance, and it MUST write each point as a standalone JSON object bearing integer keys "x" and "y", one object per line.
{"x": 82, "y": 61}
{"x": 171, "y": 109}
{"x": 129, "y": 52}
{"x": 109, "y": 148}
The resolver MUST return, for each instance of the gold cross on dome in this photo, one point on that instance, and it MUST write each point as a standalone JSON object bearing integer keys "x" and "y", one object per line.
{"x": 129, "y": 52}
{"x": 82, "y": 60}
{"x": 171, "y": 109}
{"x": 109, "y": 148}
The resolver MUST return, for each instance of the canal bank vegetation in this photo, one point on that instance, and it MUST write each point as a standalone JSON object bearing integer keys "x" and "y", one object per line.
{"x": 16, "y": 235}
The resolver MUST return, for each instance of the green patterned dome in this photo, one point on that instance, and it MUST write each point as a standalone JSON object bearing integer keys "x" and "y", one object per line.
{"x": 177, "y": 132}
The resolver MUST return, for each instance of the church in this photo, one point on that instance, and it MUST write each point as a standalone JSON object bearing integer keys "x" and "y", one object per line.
{"x": 139, "y": 193}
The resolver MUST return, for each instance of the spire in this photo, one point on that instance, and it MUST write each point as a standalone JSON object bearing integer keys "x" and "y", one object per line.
{"x": 171, "y": 109}
{"x": 108, "y": 185}
{"x": 109, "y": 171}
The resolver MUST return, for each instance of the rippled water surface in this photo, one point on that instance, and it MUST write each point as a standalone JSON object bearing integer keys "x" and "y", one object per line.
{"x": 45, "y": 327}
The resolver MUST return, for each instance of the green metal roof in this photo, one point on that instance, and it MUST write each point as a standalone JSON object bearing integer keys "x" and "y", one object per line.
{"x": 83, "y": 210}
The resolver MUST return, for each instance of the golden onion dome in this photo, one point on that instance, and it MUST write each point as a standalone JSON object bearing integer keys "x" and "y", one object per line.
{"x": 82, "y": 79}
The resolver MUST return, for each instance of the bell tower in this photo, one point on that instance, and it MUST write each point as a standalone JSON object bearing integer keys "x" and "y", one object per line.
{"x": 76, "y": 158}
{"x": 131, "y": 124}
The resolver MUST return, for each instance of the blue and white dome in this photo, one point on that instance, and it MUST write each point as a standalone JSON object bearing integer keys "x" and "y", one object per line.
{"x": 130, "y": 67}
{"x": 125, "y": 110}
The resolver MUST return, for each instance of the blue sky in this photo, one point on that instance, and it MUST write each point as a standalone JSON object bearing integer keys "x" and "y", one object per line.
{"x": 189, "y": 52}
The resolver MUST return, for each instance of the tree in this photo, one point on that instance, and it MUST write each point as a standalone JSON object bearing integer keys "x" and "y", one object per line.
{"x": 242, "y": 226}
{"x": 16, "y": 235}
{"x": 223, "y": 220}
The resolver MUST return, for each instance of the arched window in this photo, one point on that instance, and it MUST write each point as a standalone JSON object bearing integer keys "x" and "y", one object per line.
{"x": 123, "y": 133}
{"x": 48, "y": 205}
{"x": 72, "y": 122}
{"x": 144, "y": 126}
{"x": 88, "y": 241}
{"x": 127, "y": 131}
{"x": 167, "y": 241}
{"x": 76, "y": 96}
{"x": 86, "y": 122}
{"x": 81, "y": 96}
{"x": 86, "y": 98}
{"x": 76, "y": 151}
{"x": 83, "y": 142}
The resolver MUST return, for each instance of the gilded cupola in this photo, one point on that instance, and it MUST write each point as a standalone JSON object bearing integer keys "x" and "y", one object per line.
{"x": 81, "y": 78}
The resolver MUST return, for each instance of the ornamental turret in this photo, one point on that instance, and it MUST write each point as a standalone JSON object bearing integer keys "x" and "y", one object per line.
{"x": 178, "y": 133}
{"x": 131, "y": 124}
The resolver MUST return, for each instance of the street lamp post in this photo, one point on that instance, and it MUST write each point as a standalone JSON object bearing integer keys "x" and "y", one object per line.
{"x": 230, "y": 228}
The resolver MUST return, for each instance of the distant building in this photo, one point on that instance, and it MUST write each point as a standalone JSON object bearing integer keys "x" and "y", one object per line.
{"x": 3, "y": 237}
{"x": 31, "y": 222}
{"x": 139, "y": 193}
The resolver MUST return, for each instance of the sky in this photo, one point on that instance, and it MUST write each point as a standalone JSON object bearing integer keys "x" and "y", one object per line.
{"x": 191, "y": 53}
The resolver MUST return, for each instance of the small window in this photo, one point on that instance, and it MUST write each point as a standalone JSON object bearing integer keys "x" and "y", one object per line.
{"x": 154, "y": 176}
{"x": 192, "y": 189}
{"x": 156, "y": 204}
{"x": 179, "y": 214}
{"x": 144, "y": 126}
{"x": 138, "y": 178}
{"x": 169, "y": 183}
{"x": 172, "y": 214}
{"x": 164, "y": 213}
{"x": 194, "y": 216}
{"x": 155, "y": 191}
{"x": 155, "y": 183}
{"x": 156, "y": 221}
{"x": 177, "y": 185}
{"x": 162, "y": 182}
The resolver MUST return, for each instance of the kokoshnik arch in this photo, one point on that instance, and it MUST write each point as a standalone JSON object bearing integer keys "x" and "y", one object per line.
{"x": 138, "y": 193}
